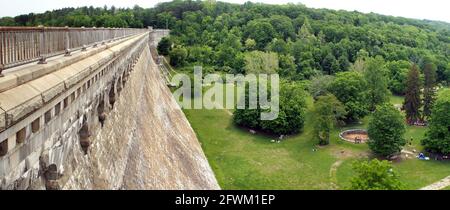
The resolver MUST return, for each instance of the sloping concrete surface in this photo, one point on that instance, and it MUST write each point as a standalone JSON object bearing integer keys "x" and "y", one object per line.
{"x": 146, "y": 142}
{"x": 166, "y": 153}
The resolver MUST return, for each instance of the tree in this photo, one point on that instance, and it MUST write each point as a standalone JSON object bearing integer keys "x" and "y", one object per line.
{"x": 375, "y": 175}
{"x": 287, "y": 66}
{"x": 398, "y": 73}
{"x": 247, "y": 117}
{"x": 291, "y": 112}
{"x": 327, "y": 64}
{"x": 258, "y": 62}
{"x": 291, "y": 117}
{"x": 166, "y": 20}
{"x": 374, "y": 74}
{"x": 279, "y": 46}
{"x": 283, "y": 25}
{"x": 412, "y": 102}
{"x": 305, "y": 31}
{"x": 200, "y": 54}
{"x": 327, "y": 111}
{"x": 229, "y": 58}
{"x": 306, "y": 65}
{"x": 429, "y": 72}
{"x": 164, "y": 46}
{"x": 437, "y": 137}
{"x": 261, "y": 31}
{"x": 320, "y": 85}
{"x": 114, "y": 21}
{"x": 79, "y": 20}
{"x": 344, "y": 64}
{"x": 250, "y": 44}
{"x": 350, "y": 88}
{"x": 360, "y": 62}
{"x": 386, "y": 130}
{"x": 178, "y": 56}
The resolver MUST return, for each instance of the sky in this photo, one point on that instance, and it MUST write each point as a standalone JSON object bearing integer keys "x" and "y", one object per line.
{"x": 419, "y": 9}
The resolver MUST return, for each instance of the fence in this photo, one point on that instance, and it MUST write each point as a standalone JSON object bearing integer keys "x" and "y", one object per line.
{"x": 20, "y": 45}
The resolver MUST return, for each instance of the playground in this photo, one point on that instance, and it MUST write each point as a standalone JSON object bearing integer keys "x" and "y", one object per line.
{"x": 356, "y": 136}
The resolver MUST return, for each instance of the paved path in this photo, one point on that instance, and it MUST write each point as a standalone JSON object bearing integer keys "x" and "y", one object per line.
{"x": 441, "y": 184}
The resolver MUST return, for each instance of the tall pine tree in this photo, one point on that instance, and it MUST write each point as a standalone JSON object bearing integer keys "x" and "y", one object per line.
{"x": 429, "y": 93}
{"x": 412, "y": 101}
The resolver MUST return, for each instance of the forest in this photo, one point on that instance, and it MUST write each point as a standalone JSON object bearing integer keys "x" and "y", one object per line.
{"x": 307, "y": 41}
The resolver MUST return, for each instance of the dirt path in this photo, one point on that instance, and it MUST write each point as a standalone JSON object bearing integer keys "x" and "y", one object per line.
{"x": 333, "y": 178}
{"x": 441, "y": 184}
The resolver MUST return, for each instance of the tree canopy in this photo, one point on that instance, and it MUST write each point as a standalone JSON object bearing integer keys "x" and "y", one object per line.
{"x": 320, "y": 41}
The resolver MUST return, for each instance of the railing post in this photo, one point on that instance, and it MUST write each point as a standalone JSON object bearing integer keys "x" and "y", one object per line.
{"x": 114, "y": 34}
{"x": 103, "y": 35}
{"x": 67, "y": 34}
{"x": 42, "y": 43}
{"x": 83, "y": 37}
{"x": 109, "y": 34}
{"x": 94, "y": 36}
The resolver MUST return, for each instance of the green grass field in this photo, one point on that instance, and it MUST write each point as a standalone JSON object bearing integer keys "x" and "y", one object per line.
{"x": 241, "y": 160}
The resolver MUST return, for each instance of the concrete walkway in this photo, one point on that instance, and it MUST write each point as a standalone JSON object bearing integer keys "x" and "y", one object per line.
{"x": 441, "y": 184}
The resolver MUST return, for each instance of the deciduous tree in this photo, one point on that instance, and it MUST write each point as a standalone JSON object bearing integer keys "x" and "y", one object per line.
{"x": 350, "y": 88}
{"x": 374, "y": 74}
{"x": 437, "y": 137}
{"x": 327, "y": 110}
{"x": 386, "y": 129}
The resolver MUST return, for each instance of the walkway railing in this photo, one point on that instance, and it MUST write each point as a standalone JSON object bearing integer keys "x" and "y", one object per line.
{"x": 20, "y": 45}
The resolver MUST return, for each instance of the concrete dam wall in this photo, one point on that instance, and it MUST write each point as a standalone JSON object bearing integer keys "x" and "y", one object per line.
{"x": 104, "y": 121}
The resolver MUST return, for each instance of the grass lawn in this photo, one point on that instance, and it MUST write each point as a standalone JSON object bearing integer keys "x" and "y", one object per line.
{"x": 241, "y": 160}
{"x": 396, "y": 99}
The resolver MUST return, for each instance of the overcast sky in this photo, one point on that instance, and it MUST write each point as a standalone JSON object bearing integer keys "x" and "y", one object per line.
{"x": 420, "y": 9}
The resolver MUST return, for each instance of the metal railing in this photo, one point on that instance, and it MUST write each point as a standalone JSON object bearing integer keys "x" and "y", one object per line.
{"x": 20, "y": 45}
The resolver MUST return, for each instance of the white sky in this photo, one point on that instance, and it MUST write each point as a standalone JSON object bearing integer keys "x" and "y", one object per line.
{"x": 420, "y": 9}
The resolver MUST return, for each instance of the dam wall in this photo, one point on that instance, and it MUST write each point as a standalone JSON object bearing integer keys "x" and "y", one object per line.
{"x": 104, "y": 119}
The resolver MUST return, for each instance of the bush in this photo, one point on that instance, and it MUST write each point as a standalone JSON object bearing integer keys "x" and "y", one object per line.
{"x": 375, "y": 175}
